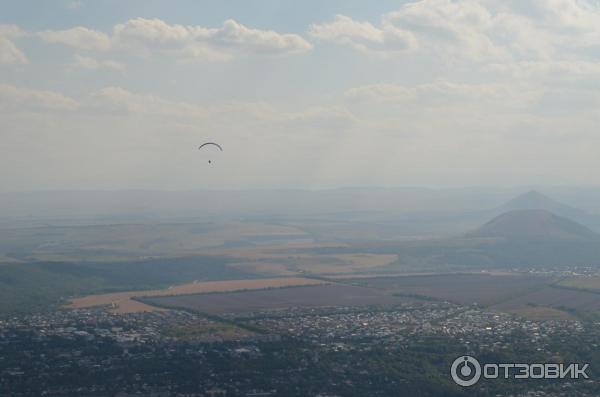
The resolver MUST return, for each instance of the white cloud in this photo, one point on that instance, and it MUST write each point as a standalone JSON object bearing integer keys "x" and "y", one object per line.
{"x": 151, "y": 32}
{"x": 10, "y": 54}
{"x": 212, "y": 44}
{"x": 154, "y": 36}
{"x": 11, "y": 31}
{"x": 78, "y": 37}
{"x": 442, "y": 27}
{"x": 471, "y": 30}
{"x": 25, "y": 99}
{"x": 235, "y": 35}
{"x": 88, "y": 63}
{"x": 363, "y": 36}
{"x": 460, "y": 28}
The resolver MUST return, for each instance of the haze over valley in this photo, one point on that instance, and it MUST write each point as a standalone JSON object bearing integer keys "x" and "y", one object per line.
{"x": 370, "y": 232}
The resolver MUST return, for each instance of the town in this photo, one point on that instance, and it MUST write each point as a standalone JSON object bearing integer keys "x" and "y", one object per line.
{"x": 303, "y": 351}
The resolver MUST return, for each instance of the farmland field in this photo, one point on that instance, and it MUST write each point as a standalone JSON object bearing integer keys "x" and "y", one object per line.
{"x": 529, "y": 296}
{"x": 332, "y": 295}
{"x": 121, "y": 302}
{"x": 483, "y": 289}
{"x": 344, "y": 263}
{"x": 288, "y": 259}
{"x": 560, "y": 298}
{"x": 583, "y": 283}
{"x": 264, "y": 268}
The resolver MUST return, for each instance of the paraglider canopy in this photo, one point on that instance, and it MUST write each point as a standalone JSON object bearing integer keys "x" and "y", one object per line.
{"x": 210, "y": 144}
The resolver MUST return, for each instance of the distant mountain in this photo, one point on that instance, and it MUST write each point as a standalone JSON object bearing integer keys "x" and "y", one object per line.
{"x": 534, "y": 224}
{"x": 534, "y": 200}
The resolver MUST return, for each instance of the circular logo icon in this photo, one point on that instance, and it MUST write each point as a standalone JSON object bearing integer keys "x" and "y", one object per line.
{"x": 465, "y": 371}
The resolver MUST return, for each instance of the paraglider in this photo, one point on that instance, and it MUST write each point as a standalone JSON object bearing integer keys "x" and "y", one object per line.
{"x": 210, "y": 144}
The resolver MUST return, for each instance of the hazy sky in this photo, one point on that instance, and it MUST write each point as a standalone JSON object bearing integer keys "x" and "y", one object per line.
{"x": 119, "y": 94}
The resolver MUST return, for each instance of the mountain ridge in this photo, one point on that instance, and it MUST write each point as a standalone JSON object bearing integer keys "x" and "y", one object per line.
{"x": 534, "y": 200}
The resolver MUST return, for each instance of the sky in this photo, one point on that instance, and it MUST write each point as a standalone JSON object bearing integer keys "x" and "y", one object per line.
{"x": 314, "y": 94}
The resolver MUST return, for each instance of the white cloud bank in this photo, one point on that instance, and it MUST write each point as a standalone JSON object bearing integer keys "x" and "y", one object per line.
{"x": 486, "y": 30}
{"x": 363, "y": 36}
{"x": 154, "y": 36}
